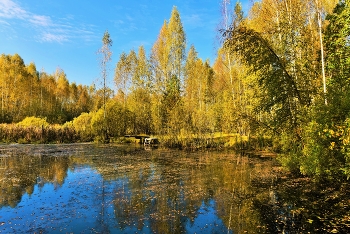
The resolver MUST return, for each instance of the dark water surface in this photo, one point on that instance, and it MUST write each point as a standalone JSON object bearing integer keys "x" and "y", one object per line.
{"x": 87, "y": 188}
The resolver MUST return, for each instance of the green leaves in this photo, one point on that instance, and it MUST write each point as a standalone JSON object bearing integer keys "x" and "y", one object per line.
{"x": 106, "y": 39}
{"x": 338, "y": 48}
{"x": 283, "y": 95}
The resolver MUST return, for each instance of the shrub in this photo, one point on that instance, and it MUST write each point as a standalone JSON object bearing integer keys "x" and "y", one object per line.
{"x": 83, "y": 125}
{"x": 33, "y": 122}
{"x": 116, "y": 122}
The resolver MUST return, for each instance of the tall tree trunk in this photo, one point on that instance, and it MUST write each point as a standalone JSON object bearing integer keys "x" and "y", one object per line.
{"x": 322, "y": 54}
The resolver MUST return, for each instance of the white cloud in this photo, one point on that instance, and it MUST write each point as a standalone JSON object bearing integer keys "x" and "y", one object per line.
{"x": 41, "y": 20}
{"x": 9, "y": 9}
{"x": 49, "y": 37}
{"x": 47, "y": 29}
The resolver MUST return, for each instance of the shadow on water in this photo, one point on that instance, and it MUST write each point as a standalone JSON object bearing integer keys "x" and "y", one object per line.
{"x": 127, "y": 189}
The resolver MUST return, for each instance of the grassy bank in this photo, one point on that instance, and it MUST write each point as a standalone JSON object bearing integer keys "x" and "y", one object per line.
{"x": 218, "y": 141}
{"x": 13, "y": 133}
{"x": 33, "y": 130}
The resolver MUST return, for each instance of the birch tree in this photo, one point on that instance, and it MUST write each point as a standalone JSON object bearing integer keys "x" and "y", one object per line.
{"x": 106, "y": 56}
{"x": 142, "y": 75}
{"x": 167, "y": 59}
{"x": 176, "y": 41}
{"x": 160, "y": 59}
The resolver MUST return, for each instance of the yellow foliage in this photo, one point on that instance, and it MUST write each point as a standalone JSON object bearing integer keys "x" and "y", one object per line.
{"x": 33, "y": 122}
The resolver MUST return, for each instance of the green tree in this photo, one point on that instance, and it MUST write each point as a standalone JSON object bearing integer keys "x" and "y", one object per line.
{"x": 337, "y": 42}
{"x": 326, "y": 152}
{"x": 278, "y": 59}
{"x": 280, "y": 43}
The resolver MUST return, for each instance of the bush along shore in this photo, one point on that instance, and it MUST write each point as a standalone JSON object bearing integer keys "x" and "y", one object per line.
{"x": 12, "y": 133}
{"x": 34, "y": 130}
{"x": 46, "y": 133}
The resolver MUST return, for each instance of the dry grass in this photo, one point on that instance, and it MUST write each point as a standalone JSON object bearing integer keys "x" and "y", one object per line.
{"x": 12, "y": 133}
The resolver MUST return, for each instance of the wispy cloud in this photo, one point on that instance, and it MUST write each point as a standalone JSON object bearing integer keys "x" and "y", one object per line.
{"x": 127, "y": 25}
{"x": 46, "y": 28}
{"x": 4, "y": 22}
{"x": 49, "y": 37}
{"x": 193, "y": 21}
{"x": 9, "y": 10}
{"x": 41, "y": 20}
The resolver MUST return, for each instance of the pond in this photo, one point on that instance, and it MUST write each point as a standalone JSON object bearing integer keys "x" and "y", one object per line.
{"x": 88, "y": 188}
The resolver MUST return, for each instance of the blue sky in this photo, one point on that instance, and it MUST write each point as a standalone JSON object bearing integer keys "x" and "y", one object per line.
{"x": 68, "y": 33}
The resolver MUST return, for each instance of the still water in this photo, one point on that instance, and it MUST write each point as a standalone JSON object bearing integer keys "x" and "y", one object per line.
{"x": 87, "y": 188}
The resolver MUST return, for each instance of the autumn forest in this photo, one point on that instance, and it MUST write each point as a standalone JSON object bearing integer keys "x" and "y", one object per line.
{"x": 280, "y": 82}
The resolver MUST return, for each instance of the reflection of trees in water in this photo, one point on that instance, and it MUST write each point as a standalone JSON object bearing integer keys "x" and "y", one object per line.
{"x": 151, "y": 196}
{"x": 299, "y": 206}
{"x": 160, "y": 190}
{"x": 168, "y": 193}
{"x": 235, "y": 197}
{"x": 20, "y": 173}
{"x": 24, "y": 166}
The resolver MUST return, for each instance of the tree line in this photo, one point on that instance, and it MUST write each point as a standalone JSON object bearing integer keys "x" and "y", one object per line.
{"x": 281, "y": 73}
{"x": 27, "y": 92}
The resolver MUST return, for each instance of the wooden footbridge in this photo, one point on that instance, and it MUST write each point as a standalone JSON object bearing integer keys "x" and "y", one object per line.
{"x": 140, "y": 137}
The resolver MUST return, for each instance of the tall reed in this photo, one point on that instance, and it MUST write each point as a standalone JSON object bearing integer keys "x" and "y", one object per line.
{"x": 13, "y": 133}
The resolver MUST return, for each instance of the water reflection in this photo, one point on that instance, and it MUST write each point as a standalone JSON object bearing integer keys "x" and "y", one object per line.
{"x": 118, "y": 189}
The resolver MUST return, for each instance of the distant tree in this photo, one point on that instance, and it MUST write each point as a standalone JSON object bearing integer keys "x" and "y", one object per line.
{"x": 62, "y": 93}
{"x": 139, "y": 98}
{"x": 106, "y": 56}
{"x": 33, "y": 77}
{"x": 197, "y": 94}
{"x": 142, "y": 75}
{"x": 5, "y": 63}
{"x": 84, "y": 102}
{"x": 124, "y": 72}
